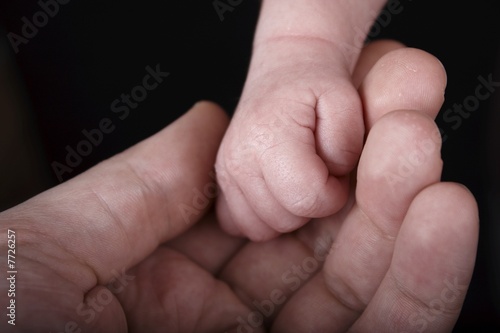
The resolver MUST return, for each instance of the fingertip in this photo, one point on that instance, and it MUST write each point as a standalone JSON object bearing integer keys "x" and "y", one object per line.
{"x": 453, "y": 198}
{"x": 405, "y": 78}
{"x": 211, "y": 106}
{"x": 440, "y": 232}
{"x": 212, "y": 113}
{"x": 369, "y": 56}
{"x": 425, "y": 61}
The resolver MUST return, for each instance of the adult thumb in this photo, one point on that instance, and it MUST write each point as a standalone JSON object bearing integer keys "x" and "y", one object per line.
{"x": 115, "y": 214}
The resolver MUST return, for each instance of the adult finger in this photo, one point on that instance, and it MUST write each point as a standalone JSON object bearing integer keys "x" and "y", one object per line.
{"x": 432, "y": 265}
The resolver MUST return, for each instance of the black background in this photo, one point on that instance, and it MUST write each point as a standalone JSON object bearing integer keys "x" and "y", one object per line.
{"x": 91, "y": 52}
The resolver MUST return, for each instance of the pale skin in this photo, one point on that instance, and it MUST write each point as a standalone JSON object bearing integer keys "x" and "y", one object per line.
{"x": 298, "y": 130}
{"x": 398, "y": 257}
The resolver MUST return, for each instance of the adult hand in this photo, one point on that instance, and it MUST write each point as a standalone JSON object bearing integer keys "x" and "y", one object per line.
{"x": 116, "y": 248}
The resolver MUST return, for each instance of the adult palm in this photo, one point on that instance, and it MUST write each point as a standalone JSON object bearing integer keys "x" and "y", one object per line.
{"x": 119, "y": 248}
